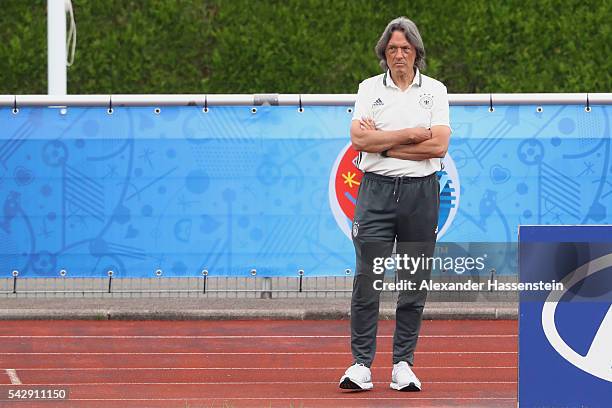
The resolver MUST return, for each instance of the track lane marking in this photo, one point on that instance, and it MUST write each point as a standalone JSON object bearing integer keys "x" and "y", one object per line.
{"x": 247, "y": 368}
{"x": 243, "y": 353}
{"x": 12, "y": 374}
{"x": 359, "y": 398}
{"x": 454, "y": 336}
{"x": 254, "y": 383}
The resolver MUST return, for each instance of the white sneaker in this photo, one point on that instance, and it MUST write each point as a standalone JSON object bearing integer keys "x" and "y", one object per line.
{"x": 357, "y": 377}
{"x": 403, "y": 379}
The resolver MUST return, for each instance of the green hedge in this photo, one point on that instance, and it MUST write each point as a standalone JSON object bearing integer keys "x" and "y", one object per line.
{"x": 308, "y": 46}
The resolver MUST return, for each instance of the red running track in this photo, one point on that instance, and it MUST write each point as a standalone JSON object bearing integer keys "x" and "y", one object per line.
{"x": 232, "y": 364}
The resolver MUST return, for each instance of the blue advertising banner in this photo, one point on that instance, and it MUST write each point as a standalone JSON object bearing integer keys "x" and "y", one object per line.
{"x": 230, "y": 190}
{"x": 565, "y": 336}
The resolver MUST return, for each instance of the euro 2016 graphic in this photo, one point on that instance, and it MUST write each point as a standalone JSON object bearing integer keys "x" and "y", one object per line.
{"x": 345, "y": 179}
{"x": 229, "y": 190}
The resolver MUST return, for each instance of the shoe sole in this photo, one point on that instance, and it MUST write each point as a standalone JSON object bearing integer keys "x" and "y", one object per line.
{"x": 412, "y": 387}
{"x": 348, "y": 384}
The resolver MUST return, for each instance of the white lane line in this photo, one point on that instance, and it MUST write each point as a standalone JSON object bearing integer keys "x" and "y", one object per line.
{"x": 245, "y": 368}
{"x": 12, "y": 373}
{"x": 360, "y": 397}
{"x": 453, "y": 336}
{"x": 253, "y": 383}
{"x": 222, "y": 353}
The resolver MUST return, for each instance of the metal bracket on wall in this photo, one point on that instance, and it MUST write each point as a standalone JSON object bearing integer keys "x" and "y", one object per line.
{"x": 266, "y": 99}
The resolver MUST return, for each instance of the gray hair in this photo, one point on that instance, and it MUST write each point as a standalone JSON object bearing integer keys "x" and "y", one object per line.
{"x": 413, "y": 36}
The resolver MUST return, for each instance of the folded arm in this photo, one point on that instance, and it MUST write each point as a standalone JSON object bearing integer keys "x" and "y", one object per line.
{"x": 366, "y": 138}
{"x": 428, "y": 149}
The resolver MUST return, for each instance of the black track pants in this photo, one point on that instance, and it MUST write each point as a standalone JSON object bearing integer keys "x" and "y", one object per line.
{"x": 390, "y": 210}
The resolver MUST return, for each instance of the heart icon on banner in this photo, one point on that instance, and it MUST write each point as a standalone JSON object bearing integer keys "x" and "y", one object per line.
{"x": 499, "y": 174}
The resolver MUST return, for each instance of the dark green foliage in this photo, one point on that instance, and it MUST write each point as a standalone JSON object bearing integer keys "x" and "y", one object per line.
{"x": 308, "y": 46}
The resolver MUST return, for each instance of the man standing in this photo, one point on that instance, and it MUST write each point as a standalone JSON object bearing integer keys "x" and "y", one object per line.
{"x": 401, "y": 129}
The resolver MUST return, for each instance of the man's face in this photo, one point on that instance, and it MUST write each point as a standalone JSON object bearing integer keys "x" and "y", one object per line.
{"x": 400, "y": 54}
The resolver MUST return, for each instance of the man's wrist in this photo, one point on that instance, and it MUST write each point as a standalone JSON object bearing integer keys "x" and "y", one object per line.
{"x": 411, "y": 136}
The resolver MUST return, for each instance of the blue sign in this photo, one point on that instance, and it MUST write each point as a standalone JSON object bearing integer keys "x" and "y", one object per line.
{"x": 565, "y": 335}
{"x": 230, "y": 190}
